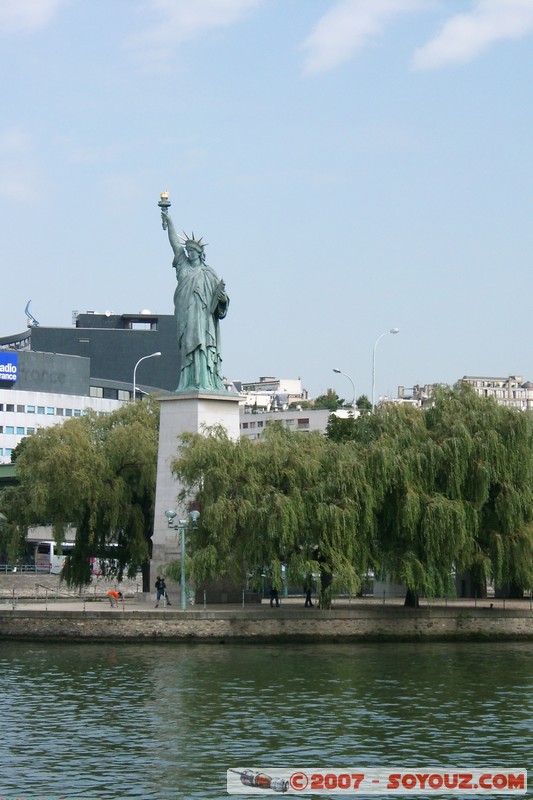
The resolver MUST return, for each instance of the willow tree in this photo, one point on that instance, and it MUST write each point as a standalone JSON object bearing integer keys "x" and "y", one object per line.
{"x": 422, "y": 535}
{"x": 291, "y": 498}
{"x": 96, "y": 474}
{"x": 488, "y": 462}
{"x": 452, "y": 490}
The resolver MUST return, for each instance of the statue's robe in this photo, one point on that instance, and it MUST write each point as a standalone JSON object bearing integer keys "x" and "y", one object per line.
{"x": 198, "y": 310}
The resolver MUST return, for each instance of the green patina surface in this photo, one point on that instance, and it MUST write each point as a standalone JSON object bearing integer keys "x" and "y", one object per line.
{"x": 200, "y": 302}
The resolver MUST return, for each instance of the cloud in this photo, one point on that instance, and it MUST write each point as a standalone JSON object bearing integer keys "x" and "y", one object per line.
{"x": 24, "y": 16}
{"x": 348, "y": 27}
{"x": 78, "y": 153}
{"x": 465, "y": 36}
{"x": 18, "y": 183}
{"x": 182, "y": 20}
{"x": 17, "y": 173}
{"x": 14, "y": 142}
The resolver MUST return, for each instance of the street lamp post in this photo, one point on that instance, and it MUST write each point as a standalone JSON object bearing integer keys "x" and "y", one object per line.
{"x": 152, "y": 355}
{"x": 392, "y": 330}
{"x": 182, "y": 526}
{"x": 340, "y": 372}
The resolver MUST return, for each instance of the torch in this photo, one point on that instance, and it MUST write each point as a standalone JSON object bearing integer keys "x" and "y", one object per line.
{"x": 164, "y": 204}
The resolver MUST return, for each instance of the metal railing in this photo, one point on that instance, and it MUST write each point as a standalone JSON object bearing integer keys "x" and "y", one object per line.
{"x": 51, "y": 594}
{"x": 23, "y": 568}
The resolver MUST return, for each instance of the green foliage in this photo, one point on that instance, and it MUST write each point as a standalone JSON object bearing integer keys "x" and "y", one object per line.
{"x": 454, "y": 489}
{"x": 418, "y": 493}
{"x": 340, "y": 429}
{"x": 293, "y": 498}
{"x": 364, "y": 404}
{"x": 329, "y": 400}
{"x": 97, "y": 474}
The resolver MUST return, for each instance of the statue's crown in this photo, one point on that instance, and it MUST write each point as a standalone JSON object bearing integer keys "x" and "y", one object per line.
{"x": 191, "y": 241}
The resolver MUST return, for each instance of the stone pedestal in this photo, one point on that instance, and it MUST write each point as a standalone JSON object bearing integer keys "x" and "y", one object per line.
{"x": 179, "y": 413}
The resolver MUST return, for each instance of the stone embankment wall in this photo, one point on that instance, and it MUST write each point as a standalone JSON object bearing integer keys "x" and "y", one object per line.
{"x": 261, "y": 625}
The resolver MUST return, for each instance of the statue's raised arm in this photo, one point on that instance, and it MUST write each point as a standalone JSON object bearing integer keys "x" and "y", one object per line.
{"x": 168, "y": 225}
{"x": 200, "y": 301}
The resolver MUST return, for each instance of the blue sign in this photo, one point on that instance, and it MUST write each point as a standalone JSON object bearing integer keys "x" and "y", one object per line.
{"x": 9, "y": 363}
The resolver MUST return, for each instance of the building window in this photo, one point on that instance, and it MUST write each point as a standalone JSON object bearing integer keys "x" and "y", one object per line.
{"x": 77, "y": 412}
{"x": 59, "y": 412}
{"x": 260, "y": 424}
{"x": 40, "y": 409}
{"x": 1, "y": 451}
{"x": 123, "y": 395}
{"x": 244, "y": 424}
{"x": 8, "y": 451}
{"x": 30, "y": 409}
{"x": 20, "y": 431}
{"x": 30, "y": 430}
{"x": 1, "y": 428}
{"x": 136, "y": 325}
{"x": 10, "y": 429}
{"x": 96, "y": 391}
{"x": 21, "y": 409}
{"x": 10, "y": 407}
{"x": 50, "y": 411}
{"x": 68, "y": 412}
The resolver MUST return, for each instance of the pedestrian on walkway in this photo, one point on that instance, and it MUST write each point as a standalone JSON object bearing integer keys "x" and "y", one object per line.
{"x": 161, "y": 591}
{"x": 274, "y": 597}
{"x": 114, "y": 597}
{"x": 308, "y": 592}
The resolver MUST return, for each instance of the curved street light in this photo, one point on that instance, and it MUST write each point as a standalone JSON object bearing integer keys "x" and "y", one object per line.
{"x": 340, "y": 372}
{"x": 152, "y": 355}
{"x": 182, "y": 526}
{"x": 392, "y": 330}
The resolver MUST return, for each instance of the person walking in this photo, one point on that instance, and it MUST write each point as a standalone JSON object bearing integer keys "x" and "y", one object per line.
{"x": 161, "y": 591}
{"x": 274, "y": 597}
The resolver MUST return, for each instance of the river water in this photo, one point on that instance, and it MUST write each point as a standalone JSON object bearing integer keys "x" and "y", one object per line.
{"x": 166, "y": 721}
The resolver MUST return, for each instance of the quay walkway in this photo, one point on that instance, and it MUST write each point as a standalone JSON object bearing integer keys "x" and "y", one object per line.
{"x": 39, "y": 607}
{"x": 362, "y": 620}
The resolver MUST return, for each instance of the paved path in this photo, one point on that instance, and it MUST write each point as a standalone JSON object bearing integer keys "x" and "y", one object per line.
{"x": 44, "y": 592}
{"x": 292, "y": 604}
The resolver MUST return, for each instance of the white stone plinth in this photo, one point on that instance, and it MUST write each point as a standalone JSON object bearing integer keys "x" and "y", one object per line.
{"x": 180, "y": 413}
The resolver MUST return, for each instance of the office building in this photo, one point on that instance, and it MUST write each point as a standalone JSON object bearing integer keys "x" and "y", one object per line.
{"x": 50, "y": 374}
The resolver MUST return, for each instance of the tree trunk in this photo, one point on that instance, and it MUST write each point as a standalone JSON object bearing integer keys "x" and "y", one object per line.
{"x": 145, "y": 571}
{"x": 515, "y": 591}
{"x": 325, "y": 589}
{"x": 411, "y": 599}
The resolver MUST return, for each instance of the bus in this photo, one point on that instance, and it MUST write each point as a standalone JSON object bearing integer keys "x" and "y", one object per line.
{"x": 48, "y": 559}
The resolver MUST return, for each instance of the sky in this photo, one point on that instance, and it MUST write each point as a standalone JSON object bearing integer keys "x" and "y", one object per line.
{"x": 353, "y": 165}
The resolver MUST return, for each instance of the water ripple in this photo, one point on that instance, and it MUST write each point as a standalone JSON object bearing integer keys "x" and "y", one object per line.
{"x": 115, "y": 722}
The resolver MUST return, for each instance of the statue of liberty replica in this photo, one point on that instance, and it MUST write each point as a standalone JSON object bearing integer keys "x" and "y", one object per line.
{"x": 200, "y": 301}
{"x": 201, "y": 399}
